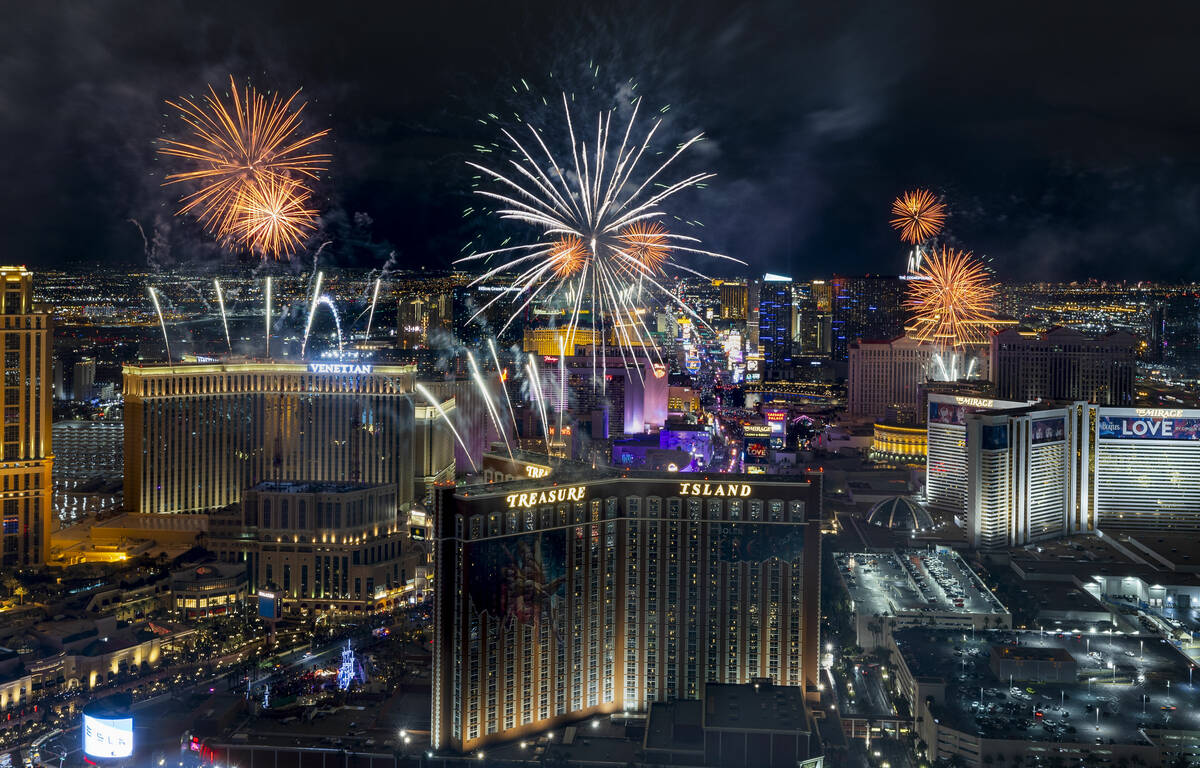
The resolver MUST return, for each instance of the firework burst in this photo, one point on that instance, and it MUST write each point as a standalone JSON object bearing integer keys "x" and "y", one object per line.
{"x": 648, "y": 244}
{"x": 272, "y": 216}
{"x": 918, "y": 215}
{"x": 952, "y": 299}
{"x": 569, "y": 255}
{"x": 597, "y": 241}
{"x": 248, "y": 140}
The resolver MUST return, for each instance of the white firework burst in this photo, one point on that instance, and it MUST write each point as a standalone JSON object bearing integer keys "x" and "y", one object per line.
{"x": 601, "y": 247}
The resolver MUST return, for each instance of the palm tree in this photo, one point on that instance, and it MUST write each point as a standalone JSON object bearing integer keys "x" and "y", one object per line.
{"x": 20, "y": 593}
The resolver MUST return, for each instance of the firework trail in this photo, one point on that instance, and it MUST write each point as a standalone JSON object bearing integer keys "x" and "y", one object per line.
{"x": 500, "y": 376}
{"x": 238, "y": 149}
{"x": 598, "y": 235}
{"x": 224, "y": 320}
{"x": 312, "y": 309}
{"x": 162, "y": 322}
{"x": 434, "y": 402}
{"x": 267, "y": 307}
{"x": 337, "y": 321}
{"x": 535, "y": 388}
{"x": 374, "y": 298}
{"x": 487, "y": 399}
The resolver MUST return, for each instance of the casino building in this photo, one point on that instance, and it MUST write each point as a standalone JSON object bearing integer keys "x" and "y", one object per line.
{"x": 1032, "y": 472}
{"x": 197, "y": 435}
{"x": 946, "y": 447}
{"x": 579, "y": 594}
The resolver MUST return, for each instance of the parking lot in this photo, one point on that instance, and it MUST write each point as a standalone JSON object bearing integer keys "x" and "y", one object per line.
{"x": 916, "y": 584}
{"x": 1126, "y": 684}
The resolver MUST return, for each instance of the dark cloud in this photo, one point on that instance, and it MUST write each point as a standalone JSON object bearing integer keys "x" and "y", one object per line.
{"x": 1063, "y": 140}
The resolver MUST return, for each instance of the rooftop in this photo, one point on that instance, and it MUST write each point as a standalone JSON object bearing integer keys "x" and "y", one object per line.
{"x": 280, "y": 486}
{"x": 918, "y": 581}
{"x": 1114, "y": 674}
{"x": 757, "y": 706}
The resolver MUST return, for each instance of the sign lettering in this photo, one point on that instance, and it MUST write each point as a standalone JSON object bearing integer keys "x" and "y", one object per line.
{"x": 339, "y": 368}
{"x": 714, "y": 489}
{"x": 549, "y": 496}
{"x": 1146, "y": 428}
{"x": 1160, "y": 413}
{"x": 975, "y": 402}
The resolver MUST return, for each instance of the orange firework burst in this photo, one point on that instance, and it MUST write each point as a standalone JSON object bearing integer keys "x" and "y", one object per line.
{"x": 918, "y": 215}
{"x": 951, "y": 298}
{"x": 237, "y": 144}
{"x": 271, "y": 216}
{"x": 647, "y": 244}
{"x": 568, "y": 255}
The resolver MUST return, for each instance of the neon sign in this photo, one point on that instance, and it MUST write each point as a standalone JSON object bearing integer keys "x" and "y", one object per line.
{"x": 338, "y": 368}
{"x": 714, "y": 489}
{"x": 551, "y": 496}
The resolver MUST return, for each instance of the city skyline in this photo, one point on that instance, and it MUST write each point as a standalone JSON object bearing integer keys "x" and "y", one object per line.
{"x": 736, "y": 385}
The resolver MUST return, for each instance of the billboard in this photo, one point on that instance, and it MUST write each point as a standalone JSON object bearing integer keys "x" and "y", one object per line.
{"x": 520, "y": 579}
{"x": 994, "y": 437}
{"x": 757, "y": 449}
{"x": 947, "y": 413}
{"x": 776, "y": 420}
{"x": 270, "y": 604}
{"x": 1147, "y": 428}
{"x": 754, "y": 367}
{"x": 107, "y": 737}
{"x": 1048, "y": 431}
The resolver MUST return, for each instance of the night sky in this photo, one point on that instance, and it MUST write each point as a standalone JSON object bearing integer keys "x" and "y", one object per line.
{"x": 1065, "y": 137}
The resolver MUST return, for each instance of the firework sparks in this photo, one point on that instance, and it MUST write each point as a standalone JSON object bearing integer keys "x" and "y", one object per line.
{"x": 918, "y": 215}
{"x": 597, "y": 237}
{"x": 271, "y": 216}
{"x": 647, "y": 243}
{"x": 952, "y": 299}
{"x": 237, "y": 144}
{"x": 569, "y": 255}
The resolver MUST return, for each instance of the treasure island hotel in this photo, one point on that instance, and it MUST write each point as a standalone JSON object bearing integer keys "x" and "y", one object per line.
{"x": 25, "y": 466}
{"x": 579, "y": 594}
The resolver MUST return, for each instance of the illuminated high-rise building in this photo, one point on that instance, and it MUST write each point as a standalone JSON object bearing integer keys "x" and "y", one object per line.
{"x": 198, "y": 435}
{"x": 27, "y": 460}
{"x": 775, "y": 324}
{"x": 733, "y": 301}
{"x": 885, "y": 379}
{"x": 867, "y": 308}
{"x": 412, "y": 323}
{"x": 585, "y": 594}
{"x": 1174, "y": 336}
{"x": 83, "y": 378}
{"x": 1065, "y": 365}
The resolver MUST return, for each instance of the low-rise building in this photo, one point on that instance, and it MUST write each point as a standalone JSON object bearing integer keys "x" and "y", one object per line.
{"x": 56, "y": 656}
{"x": 328, "y": 546}
{"x": 755, "y": 723}
{"x": 891, "y": 591}
{"x": 211, "y": 589}
{"x": 1107, "y": 702}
